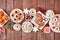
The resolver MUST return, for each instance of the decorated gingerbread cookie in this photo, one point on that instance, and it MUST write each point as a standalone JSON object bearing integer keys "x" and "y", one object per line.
{"x": 40, "y": 20}
{"x": 27, "y": 27}
{"x": 17, "y": 15}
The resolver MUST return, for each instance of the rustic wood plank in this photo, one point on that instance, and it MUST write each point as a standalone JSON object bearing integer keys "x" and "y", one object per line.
{"x": 57, "y": 8}
{"x": 41, "y": 3}
{"x": 17, "y": 4}
{"x": 41, "y": 35}
{"x": 34, "y": 4}
{"x": 3, "y": 6}
{"x": 17, "y": 34}
{"x": 26, "y": 3}
{"x": 26, "y": 36}
{"x": 34, "y": 36}
{"x": 49, "y": 5}
{"x": 49, "y": 36}
{"x": 9, "y": 6}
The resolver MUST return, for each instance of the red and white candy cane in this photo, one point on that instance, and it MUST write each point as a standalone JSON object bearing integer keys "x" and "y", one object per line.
{"x": 2, "y": 30}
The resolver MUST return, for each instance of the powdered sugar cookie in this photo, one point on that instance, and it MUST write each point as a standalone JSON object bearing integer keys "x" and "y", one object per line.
{"x": 17, "y": 15}
{"x": 27, "y": 27}
{"x": 32, "y": 12}
{"x": 17, "y": 27}
{"x": 49, "y": 13}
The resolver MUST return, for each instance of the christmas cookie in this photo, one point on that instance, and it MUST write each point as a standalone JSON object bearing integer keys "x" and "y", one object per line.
{"x": 32, "y": 12}
{"x": 3, "y": 17}
{"x": 27, "y": 27}
{"x": 17, "y": 27}
{"x": 40, "y": 20}
{"x": 17, "y": 15}
{"x": 28, "y": 17}
{"x": 49, "y": 13}
{"x": 54, "y": 23}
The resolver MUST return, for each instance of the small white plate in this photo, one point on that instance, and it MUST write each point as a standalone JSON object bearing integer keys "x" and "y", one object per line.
{"x": 27, "y": 27}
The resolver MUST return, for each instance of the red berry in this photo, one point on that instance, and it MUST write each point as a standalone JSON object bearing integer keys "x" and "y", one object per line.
{"x": 41, "y": 9}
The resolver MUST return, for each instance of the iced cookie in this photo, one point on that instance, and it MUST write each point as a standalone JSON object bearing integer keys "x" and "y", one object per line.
{"x": 28, "y": 17}
{"x": 17, "y": 27}
{"x": 32, "y": 12}
{"x": 40, "y": 20}
{"x": 54, "y": 23}
{"x": 17, "y": 15}
{"x": 49, "y": 13}
{"x": 3, "y": 17}
{"x": 27, "y": 27}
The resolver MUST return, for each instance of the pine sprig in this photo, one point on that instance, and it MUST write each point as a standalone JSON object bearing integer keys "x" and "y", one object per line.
{"x": 9, "y": 23}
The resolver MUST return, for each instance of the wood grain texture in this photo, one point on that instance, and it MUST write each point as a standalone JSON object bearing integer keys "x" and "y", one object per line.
{"x": 57, "y": 8}
{"x": 41, "y": 35}
{"x": 9, "y": 5}
{"x": 50, "y": 5}
{"x": 3, "y": 6}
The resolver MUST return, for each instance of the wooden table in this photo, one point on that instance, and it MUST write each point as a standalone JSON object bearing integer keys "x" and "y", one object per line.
{"x": 8, "y": 5}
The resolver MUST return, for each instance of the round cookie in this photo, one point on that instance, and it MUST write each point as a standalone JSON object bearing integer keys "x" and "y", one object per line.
{"x": 32, "y": 12}
{"x": 17, "y": 27}
{"x": 49, "y": 13}
{"x": 27, "y": 27}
